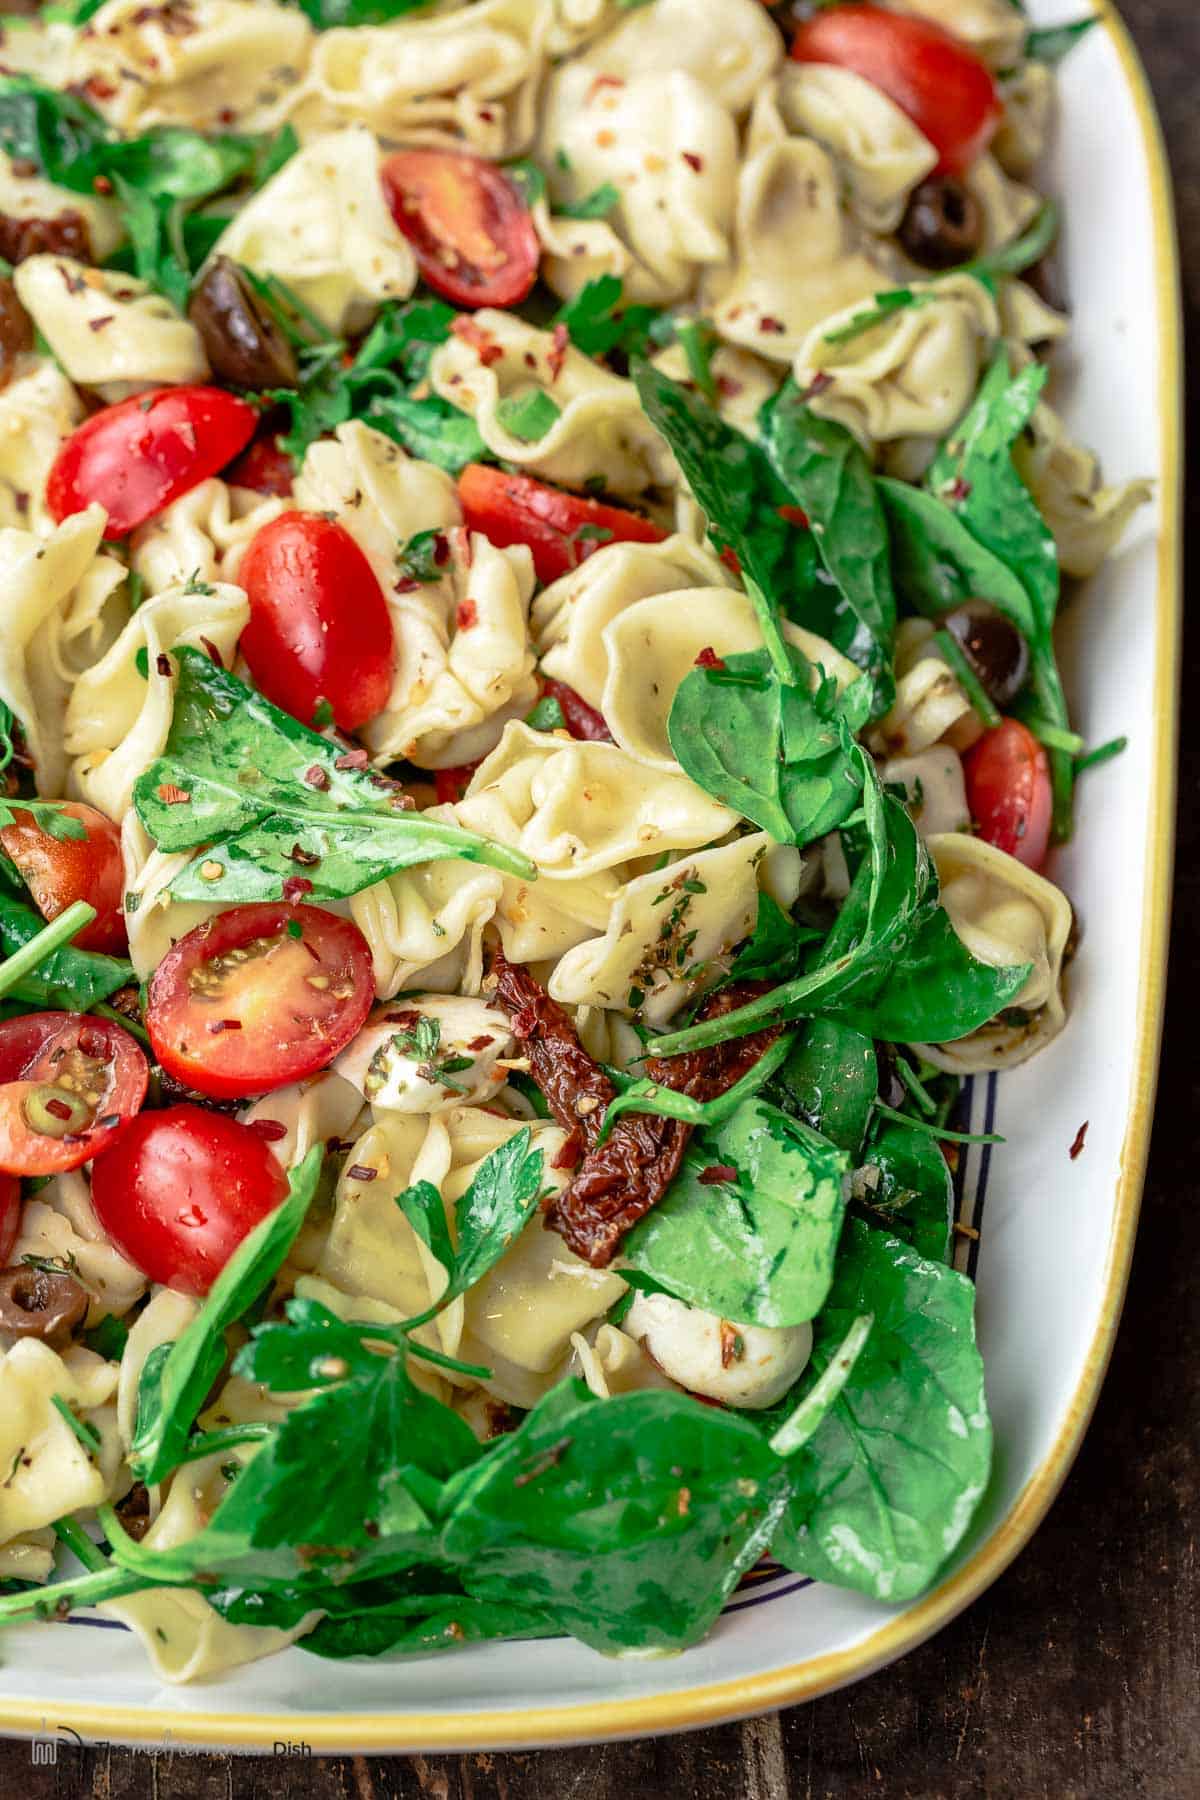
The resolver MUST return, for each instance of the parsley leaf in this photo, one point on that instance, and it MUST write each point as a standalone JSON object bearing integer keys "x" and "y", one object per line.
{"x": 597, "y": 323}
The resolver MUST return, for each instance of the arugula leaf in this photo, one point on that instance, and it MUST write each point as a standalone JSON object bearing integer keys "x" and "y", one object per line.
{"x": 827, "y": 474}
{"x": 65, "y": 979}
{"x": 1052, "y": 42}
{"x": 750, "y": 1225}
{"x": 909, "y": 1189}
{"x": 776, "y": 753}
{"x": 885, "y": 1489}
{"x": 617, "y": 1519}
{"x": 489, "y": 1216}
{"x": 598, "y": 323}
{"x": 831, "y": 1079}
{"x": 241, "y": 764}
{"x": 177, "y": 1376}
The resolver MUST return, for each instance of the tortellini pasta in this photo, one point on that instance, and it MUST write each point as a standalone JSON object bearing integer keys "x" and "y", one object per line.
{"x": 323, "y": 226}
{"x": 28, "y": 195}
{"x": 589, "y": 422}
{"x": 1004, "y": 913}
{"x": 993, "y": 28}
{"x": 577, "y": 808}
{"x": 201, "y": 537}
{"x": 117, "y": 719}
{"x": 1028, "y": 95}
{"x": 668, "y": 931}
{"x": 912, "y": 372}
{"x": 109, "y": 331}
{"x": 59, "y": 1224}
{"x": 879, "y": 152}
{"x": 934, "y": 790}
{"x": 37, "y": 410}
{"x": 380, "y": 494}
{"x": 1087, "y": 517}
{"x": 426, "y": 924}
{"x": 731, "y": 49}
{"x": 930, "y": 703}
{"x": 48, "y": 1472}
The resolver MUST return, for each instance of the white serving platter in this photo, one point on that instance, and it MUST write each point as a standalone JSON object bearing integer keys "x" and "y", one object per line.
{"x": 1056, "y": 1234}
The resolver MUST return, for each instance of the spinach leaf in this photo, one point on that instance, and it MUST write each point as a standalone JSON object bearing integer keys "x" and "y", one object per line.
{"x": 934, "y": 990}
{"x": 749, "y": 1226}
{"x": 831, "y": 1078}
{"x": 67, "y": 979}
{"x": 1053, "y": 42}
{"x": 906, "y": 1187}
{"x": 417, "y": 1625}
{"x": 528, "y": 416}
{"x": 489, "y": 1216}
{"x": 326, "y": 14}
{"x": 886, "y": 1487}
{"x": 778, "y": 947}
{"x": 776, "y": 752}
{"x": 827, "y": 474}
{"x": 599, "y": 323}
{"x": 178, "y": 1376}
{"x": 617, "y": 1519}
{"x": 807, "y": 1414}
{"x": 277, "y": 803}
{"x": 652, "y": 1097}
{"x": 749, "y": 510}
{"x": 596, "y": 205}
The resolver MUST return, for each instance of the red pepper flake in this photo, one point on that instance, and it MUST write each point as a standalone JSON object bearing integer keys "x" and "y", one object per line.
{"x": 692, "y": 160}
{"x": 542, "y": 1464}
{"x": 361, "y": 1172}
{"x": 717, "y": 1172}
{"x": 295, "y": 887}
{"x": 92, "y": 1042}
{"x": 1080, "y": 1140}
{"x": 708, "y": 659}
{"x": 271, "y": 1131}
{"x": 599, "y": 84}
{"x": 481, "y": 341}
{"x": 214, "y": 655}
{"x": 58, "y": 1109}
{"x": 410, "y": 1020}
{"x": 467, "y": 615}
{"x": 317, "y": 777}
{"x": 308, "y": 859}
{"x": 462, "y": 545}
{"x": 219, "y": 1025}
{"x": 408, "y": 584}
{"x": 101, "y": 184}
{"x": 481, "y": 1043}
{"x": 170, "y": 795}
{"x": 162, "y": 663}
{"x": 794, "y": 515}
{"x": 557, "y": 355}
{"x": 728, "y": 388}
{"x": 774, "y": 327}
{"x": 351, "y": 759}
{"x": 817, "y": 385}
{"x": 99, "y": 89}
{"x": 959, "y": 489}
{"x": 733, "y": 1344}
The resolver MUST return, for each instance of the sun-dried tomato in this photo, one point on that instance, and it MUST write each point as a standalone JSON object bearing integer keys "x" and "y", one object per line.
{"x": 575, "y": 1086}
{"x": 65, "y": 235}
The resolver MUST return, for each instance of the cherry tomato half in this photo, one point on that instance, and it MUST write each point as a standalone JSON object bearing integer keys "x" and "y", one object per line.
{"x": 515, "y": 509}
{"x": 181, "y": 1190}
{"x": 59, "y": 871}
{"x": 1008, "y": 791}
{"x": 10, "y": 1216}
{"x": 264, "y": 467}
{"x": 138, "y": 456}
{"x": 942, "y": 86}
{"x": 69, "y": 1085}
{"x": 257, "y": 997}
{"x": 580, "y": 719}
{"x": 470, "y": 230}
{"x": 319, "y": 624}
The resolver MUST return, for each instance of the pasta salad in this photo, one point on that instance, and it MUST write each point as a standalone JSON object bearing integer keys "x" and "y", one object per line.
{"x": 530, "y": 540}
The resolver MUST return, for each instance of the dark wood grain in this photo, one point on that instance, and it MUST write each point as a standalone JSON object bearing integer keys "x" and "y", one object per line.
{"x": 1077, "y": 1677}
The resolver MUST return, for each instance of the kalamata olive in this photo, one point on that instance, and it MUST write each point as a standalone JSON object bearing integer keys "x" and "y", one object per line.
{"x": 41, "y": 1303}
{"x": 993, "y": 646}
{"x": 65, "y": 234}
{"x": 942, "y": 225}
{"x": 16, "y": 329}
{"x": 244, "y": 344}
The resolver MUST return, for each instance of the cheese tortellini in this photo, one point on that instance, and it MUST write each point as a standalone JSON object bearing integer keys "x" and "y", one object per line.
{"x": 109, "y": 332}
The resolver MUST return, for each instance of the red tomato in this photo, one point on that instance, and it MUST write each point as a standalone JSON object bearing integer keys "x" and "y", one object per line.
{"x": 515, "y": 509}
{"x": 181, "y": 1190}
{"x": 471, "y": 231}
{"x": 257, "y": 997}
{"x": 942, "y": 86}
{"x": 10, "y": 1216}
{"x": 59, "y": 871}
{"x": 450, "y": 785}
{"x": 69, "y": 1085}
{"x": 138, "y": 456}
{"x": 319, "y": 624}
{"x": 1008, "y": 791}
{"x": 580, "y": 719}
{"x": 264, "y": 467}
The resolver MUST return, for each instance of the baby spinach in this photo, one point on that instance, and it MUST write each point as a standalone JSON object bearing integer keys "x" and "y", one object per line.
{"x": 749, "y": 1226}
{"x": 827, "y": 474}
{"x": 65, "y": 978}
{"x": 831, "y": 1078}
{"x": 1053, "y": 42}
{"x": 885, "y": 1488}
{"x": 936, "y": 991}
{"x": 906, "y": 1187}
{"x": 775, "y": 751}
{"x": 626, "y": 1522}
{"x": 778, "y": 947}
{"x": 275, "y": 803}
{"x": 599, "y": 322}
{"x": 489, "y": 1216}
{"x": 177, "y": 1376}
{"x": 805, "y": 1417}
{"x": 326, "y": 14}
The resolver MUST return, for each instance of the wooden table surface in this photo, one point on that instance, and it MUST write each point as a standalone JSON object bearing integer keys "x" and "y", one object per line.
{"x": 1077, "y": 1676}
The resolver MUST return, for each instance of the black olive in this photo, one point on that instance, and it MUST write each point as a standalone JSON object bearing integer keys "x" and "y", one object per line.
{"x": 943, "y": 225}
{"x": 41, "y": 1303}
{"x": 244, "y": 344}
{"x": 16, "y": 329}
{"x": 993, "y": 646}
